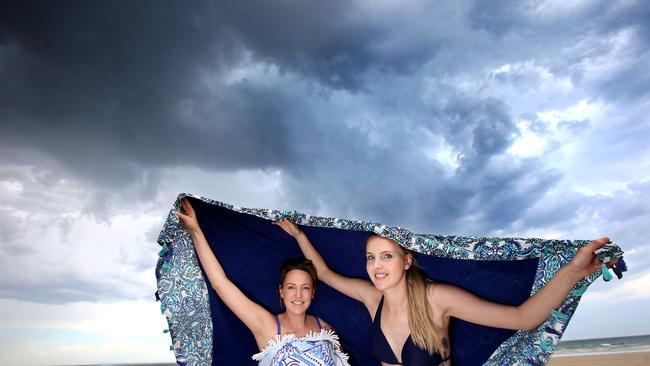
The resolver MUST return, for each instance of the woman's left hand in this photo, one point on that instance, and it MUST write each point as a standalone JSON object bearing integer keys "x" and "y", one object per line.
{"x": 586, "y": 261}
{"x": 187, "y": 216}
{"x": 288, "y": 227}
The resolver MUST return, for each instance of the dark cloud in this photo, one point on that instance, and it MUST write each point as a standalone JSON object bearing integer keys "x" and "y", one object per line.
{"x": 312, "y": 39}
{"x": 107, "y": 96}
{"x": 496, "y": 17}
{"x": 568, "y": 38}
{"x": 9, "y": 246}
{"x": 630, "y": 84}
{"x": 113, "y": 93}
{"x": 66, "y": 288}
{"x": 478, "y": 128}
{"x": 629, "y": 31}
{"x": 391, "y": 179}
{"x": 108, "y": 89}
{"x": 558, "y": 212}
{"x": 622, "y": 214}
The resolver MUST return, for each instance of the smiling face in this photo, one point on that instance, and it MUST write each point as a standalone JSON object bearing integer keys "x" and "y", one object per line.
{"x": 386, "y": 262}
{"x": 297, "y": 291}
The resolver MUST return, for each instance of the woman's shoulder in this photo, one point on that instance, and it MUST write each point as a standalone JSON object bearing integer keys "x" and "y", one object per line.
{"x": 437, "y": 289}
{"x": 323, "y": 323}
{"x": 439, "y": 293}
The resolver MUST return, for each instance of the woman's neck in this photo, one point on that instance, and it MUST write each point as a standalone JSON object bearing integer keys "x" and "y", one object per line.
{"x": 396, "y": 298}
{"x": 294, "y": 322}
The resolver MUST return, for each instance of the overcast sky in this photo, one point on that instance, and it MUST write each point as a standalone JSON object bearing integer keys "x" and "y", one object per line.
{"x": 463, "y": 117}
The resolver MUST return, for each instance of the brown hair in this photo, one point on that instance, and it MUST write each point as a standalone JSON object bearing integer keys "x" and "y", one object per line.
{"x": 301, "y": 264}
{"x": 421, "y": 324}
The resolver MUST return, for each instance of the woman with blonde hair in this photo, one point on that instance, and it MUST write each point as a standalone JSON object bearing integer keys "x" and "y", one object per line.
{"x": 411, "y": 315}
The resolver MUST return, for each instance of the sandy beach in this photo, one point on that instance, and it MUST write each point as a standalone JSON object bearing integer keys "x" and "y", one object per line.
{"x": 641, "y": 358}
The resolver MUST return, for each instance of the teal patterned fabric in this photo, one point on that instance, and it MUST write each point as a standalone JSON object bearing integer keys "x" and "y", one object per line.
{"x": 184, "y": 295}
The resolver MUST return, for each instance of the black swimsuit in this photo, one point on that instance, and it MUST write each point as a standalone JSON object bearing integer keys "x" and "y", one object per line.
{"x": 412, "y": 355}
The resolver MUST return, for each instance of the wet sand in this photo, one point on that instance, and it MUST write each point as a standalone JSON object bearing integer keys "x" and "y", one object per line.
{"x": 641, "y": 358}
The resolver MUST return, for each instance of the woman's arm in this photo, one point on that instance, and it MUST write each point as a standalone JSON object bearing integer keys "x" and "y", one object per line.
{"x": 462, "y": 304}
{"x": 358, "y": 289}
{"x": 255, "y": 317}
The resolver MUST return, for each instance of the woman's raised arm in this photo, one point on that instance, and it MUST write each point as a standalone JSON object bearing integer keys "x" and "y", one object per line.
{"x": 463, "y": 305}
{"x": 358, "y": 289}
{"x": 255, "y": 317}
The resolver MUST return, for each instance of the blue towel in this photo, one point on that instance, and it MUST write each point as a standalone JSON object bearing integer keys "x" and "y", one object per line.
{"x": 251, "y": 250}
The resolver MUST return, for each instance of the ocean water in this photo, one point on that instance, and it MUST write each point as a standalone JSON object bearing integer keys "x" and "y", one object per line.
{"x": 603, "y": 345}
{"x": 565, "y": 348}
{"x": 131, "y": 364}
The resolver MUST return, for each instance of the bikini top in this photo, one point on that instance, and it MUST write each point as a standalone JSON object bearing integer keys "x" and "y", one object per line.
{"x": 412, "y": 355}
{"x": 277, "y": 322}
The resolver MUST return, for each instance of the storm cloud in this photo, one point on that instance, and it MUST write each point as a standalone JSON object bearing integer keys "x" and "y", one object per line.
{"x": 457, "y": 118}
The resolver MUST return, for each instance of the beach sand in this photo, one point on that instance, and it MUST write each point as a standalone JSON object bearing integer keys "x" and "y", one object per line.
{"x": 627, "y": 358}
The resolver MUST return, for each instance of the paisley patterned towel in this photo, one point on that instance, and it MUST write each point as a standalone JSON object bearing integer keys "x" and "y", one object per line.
{"x": 251, "y": 249}
{"x": 314, "y": 349}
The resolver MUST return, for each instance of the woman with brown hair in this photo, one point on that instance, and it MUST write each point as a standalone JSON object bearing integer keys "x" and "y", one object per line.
{"x": 411, "y": 315}
{"x": 292, "y": 337}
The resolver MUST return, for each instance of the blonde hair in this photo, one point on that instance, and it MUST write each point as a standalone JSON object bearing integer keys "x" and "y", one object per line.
{"x": 423, "y": 332}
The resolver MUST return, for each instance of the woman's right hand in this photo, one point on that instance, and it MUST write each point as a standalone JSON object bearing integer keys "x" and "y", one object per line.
{"x": 187, "y": 216}
{"x": 288, "y": 227}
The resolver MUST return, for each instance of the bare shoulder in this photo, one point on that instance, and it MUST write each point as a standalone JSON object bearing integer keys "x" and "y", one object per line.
{"x": 435, "y": 289}
{"x": 370, "y": 295}
{"x": 325, "y": 324}
{"x": 440, "y": 295}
